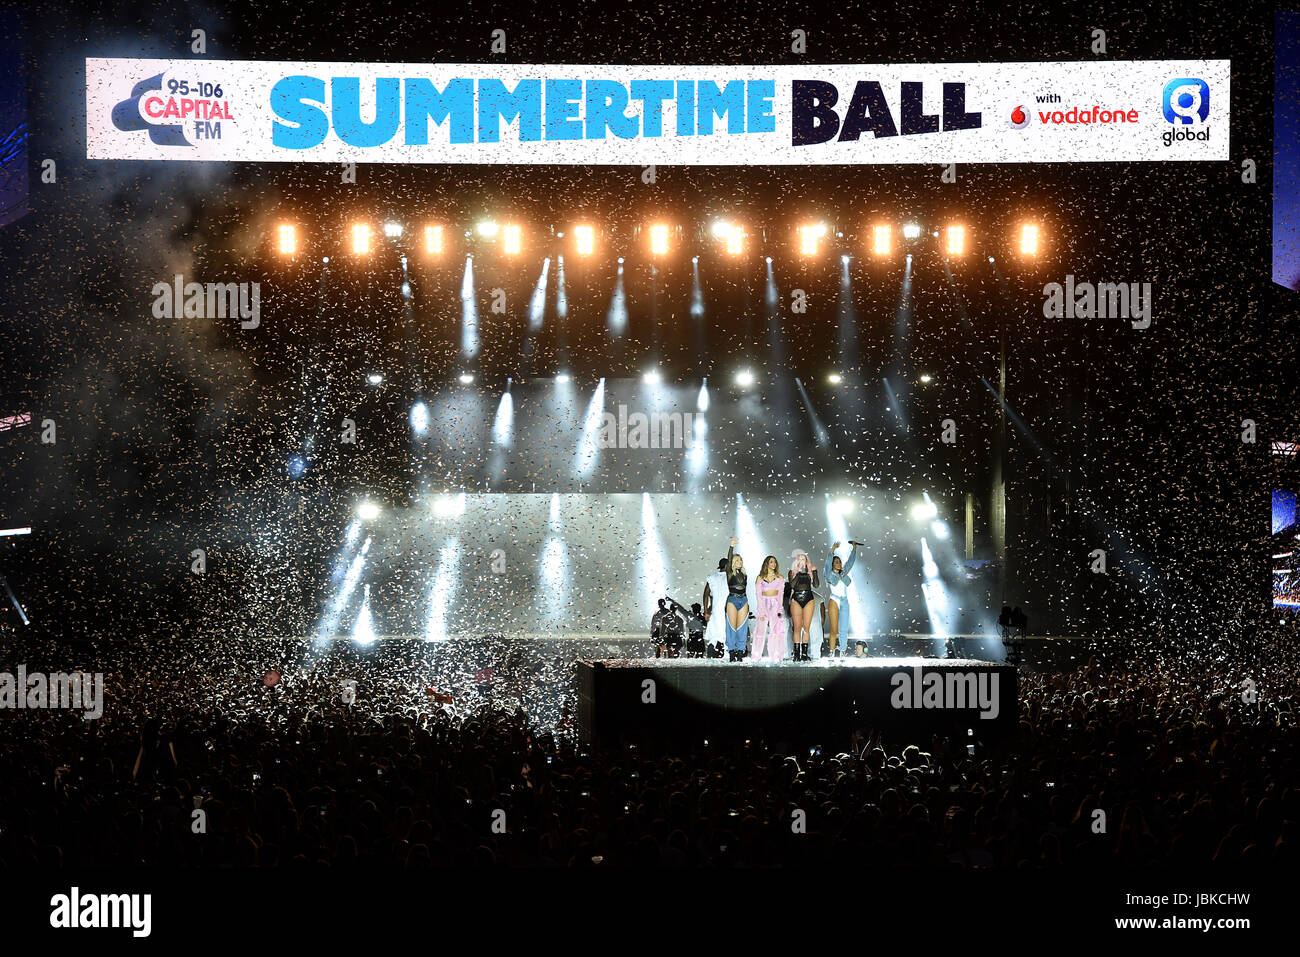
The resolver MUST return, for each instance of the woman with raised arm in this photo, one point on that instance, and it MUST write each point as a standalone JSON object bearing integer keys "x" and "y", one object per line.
{"x": 803, "y": 603}
{"x": 737, "y": 604}
{"x": 837, "y": 577}
{"x": 769, "y": 627}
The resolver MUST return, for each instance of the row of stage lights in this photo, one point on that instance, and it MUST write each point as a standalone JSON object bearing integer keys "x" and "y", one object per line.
{"x": 811, "y": 238}
{"x": 743, "y": 379}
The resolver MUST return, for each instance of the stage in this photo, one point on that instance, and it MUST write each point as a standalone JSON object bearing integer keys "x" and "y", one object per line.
{"x": 815, "y": 702}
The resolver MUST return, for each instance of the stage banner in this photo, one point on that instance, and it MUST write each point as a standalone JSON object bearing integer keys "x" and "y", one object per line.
{"x": 263, "y": 111}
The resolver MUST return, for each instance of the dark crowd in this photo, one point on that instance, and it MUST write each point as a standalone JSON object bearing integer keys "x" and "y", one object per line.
{"x": 1127, "y": 754}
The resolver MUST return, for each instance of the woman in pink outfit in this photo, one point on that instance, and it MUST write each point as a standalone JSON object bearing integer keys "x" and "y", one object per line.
{"x": 769, "y": 586}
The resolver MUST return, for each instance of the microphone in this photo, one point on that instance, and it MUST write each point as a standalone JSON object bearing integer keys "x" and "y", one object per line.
{"x": 852, "y": 542}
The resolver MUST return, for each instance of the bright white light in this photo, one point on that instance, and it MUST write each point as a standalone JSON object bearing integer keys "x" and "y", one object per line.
{"x": 721, "y": 229}
{"x": 659, "y": 239}
{"x": 562, "y": 377}
{"x": 810, "y": 238}
{"x": 419, "y": 418}
{"x": 374, "y": 378}
{"x": 367, "y": 511}
{"x": 487, "y": 228}
{"x": 652, "y": 377}
{"x": 363, "y": 632}
{"x": 911, "y": 231}
{"x": 882, "y": 239}
{"x": 925, "y": 511}
{"x": 927, "y": 379}
{"x": 504, "y": 425}
{"x": 744, "y": 378}
{"x": 834, "y": 378}
{"x": 443, "y": 592}
{"x": 589, "y": 443}
{"x": 1029, "y": 239}
{"x": 288, "y": 244}
{"x": 449, "y": 506}
{"x": 392, "y": 230}
{"x": 956, "y": 244}
{"x": 939, "y": 530}
{"x": 465, "y": 378}
{"x": 843, "y": 506}
{"x": 514, "y": 240}
{"x": 361, "y": 239}
{"x": 433, "y": 240}
{"x": 585, "y": 239}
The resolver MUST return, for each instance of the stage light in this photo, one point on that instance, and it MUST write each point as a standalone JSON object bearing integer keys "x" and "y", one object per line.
{"x": 513, "y": 239}
{"x": 367, "y": 511}
{"x": 419, "y": 418}
{"x": 392, "y": 230}
{"x": 288, "y": 239}
{"x": 361, "y": 239}
{"x": 584, "y": 237}
{"x": 956, "y": 241}
{"x": 810, "y": 238}
{"x": 911, "y": 231}
{"x": 882, "y": 239}
{"x": 925, "y": 511}
{"x": 721, "y": 229}
{"x": 375, "y": 378}
{"x": 844, "y": 260}
{"x": 659, "y": 239}
{"x": 926, "y": 379}
{"x": 325, "y": 260}
{"x": 744, "y": 378}
{"x": 695, "y": 260}
{"x": 488, "y": 229}
{"x": 843, "y": 506}
{"x": 466, "y": 378}
{"x": 769, "y": 260}
{"x": 449, "y": 506}
{"x": 834, "y": 378}
{"x": 620, "y": 260}
{"x": 652, "y": 377}
{"x": 433, "y": 240}
{"x": 1029, "y": 239}
{"x": 562, "y": 377}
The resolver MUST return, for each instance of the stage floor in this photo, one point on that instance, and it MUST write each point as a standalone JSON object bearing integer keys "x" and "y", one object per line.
{"x": 711, "y": 698}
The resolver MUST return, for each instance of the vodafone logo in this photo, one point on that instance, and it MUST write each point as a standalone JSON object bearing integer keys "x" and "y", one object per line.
{"x": 1019, "y": 118}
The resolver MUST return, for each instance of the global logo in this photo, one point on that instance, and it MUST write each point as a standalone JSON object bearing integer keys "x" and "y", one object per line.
{"x": 1019, "y": 118}
{"x": 128, "y": 118}
{"x": 1186, "y": 101}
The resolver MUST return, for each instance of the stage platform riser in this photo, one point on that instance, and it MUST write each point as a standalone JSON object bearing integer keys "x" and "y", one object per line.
{"x": 911, "y": 699}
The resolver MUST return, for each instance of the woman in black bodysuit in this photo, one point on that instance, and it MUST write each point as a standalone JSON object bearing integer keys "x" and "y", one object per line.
{"x": 803, "y": 604}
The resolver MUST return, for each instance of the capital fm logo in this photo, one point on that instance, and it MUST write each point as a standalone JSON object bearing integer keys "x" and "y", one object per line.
{"x": 1019, "y": 118}
{"x": 127, "y": 116}
{"x": 1186, "y": 101}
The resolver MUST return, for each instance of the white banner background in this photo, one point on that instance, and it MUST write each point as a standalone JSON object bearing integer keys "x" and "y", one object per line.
{"x": 992, "y": 89}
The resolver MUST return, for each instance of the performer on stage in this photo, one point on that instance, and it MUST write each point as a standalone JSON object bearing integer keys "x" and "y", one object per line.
{"x": 737, "y": 604}
{"x": 715, "y": 586}
{"x": 769, "y": 628}
{"x": 803, "y": 604}
{"x": 837, "y": 577}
